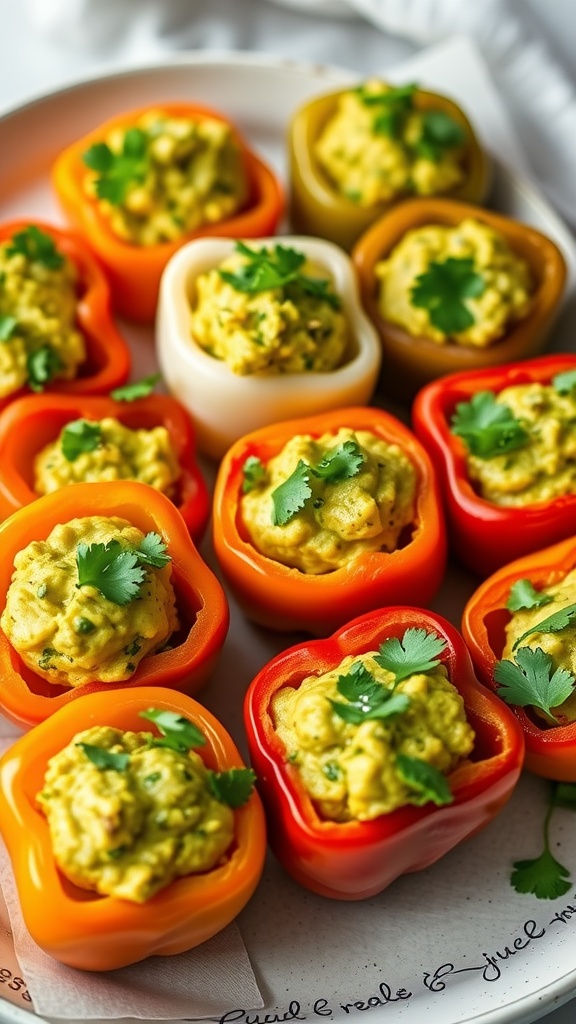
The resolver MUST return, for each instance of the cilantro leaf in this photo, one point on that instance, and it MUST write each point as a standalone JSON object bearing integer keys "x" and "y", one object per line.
{"x": 138, "y": 389}
{"x": 8, "y": 325}
{"x": 443, "y": 289}
{"x": 291, "y": 495}
{"x": 103, "y": 758}
{"x": 80, "y": 436}
{"x": 530, "y": 681}
{"x": 177, "y": 731}
{"x": 275, "y": 268}
{"x": 543, "y": 877}
{"x": 367, "y": 698}
{"x": 118, "y": 171}
{"x": 36, "y": 246}
{"x": 233, "y": 787}
{"x": 440, "y": 132}
{"x": 152, "y": 551}
{"x": 551, "y": 624}
{"x": 430, "y": 784}
{"x": 253, "y": 473}
{"x": 42, "y": 365}
{"x": 391, "y": 107}
{"x": 488, "y": 427}
{"x": 418, "y": 651}
{"x": 524, "y": 595}
{"x": 564, "y": 382}
{"x": 114, "y": 571}
{"x": 341, "y": 463}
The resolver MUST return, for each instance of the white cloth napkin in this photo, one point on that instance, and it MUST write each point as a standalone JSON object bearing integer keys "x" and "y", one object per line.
{"x": 207, "y": 981}
{"x": 540, "y": 96}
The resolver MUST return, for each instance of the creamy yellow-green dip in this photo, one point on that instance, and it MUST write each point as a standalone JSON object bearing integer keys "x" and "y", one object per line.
{"x": 377, "y": 146}
{"x": 128, "y": 832}
{"x": 545, "y": 466}
{"x": 107, "y": 450}
{"x": 501, "y": 297}
{"x": 72, "y": 634}
{"x": 39, "y": 341}
{"x": 344, "y": 517}
{"x": 560, "y": 644}
{"x": 166, "y": 176}
{"x": 350, "y": 769}
{"x": 271, "y": 330}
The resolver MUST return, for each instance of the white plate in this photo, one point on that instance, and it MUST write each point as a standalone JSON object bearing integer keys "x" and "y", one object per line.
{"x": 312, "y": 955}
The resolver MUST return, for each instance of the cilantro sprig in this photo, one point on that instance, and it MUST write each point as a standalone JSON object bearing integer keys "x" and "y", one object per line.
{"x": 365, "y": 697}
{"x": 544, "y": 876}
{"x": 430, "y": 784}
{"x": 253, "y": 473}
{"x": 551, "y": 624}
{"x": 391, "y": 108}
{"x": 37, "y": 247}
{"x": 119, "y": 572}
{"x": 440, "y": 132}
{"x": 488, "y": 427}
{"x": 417, "y": 651}
{"x": 116, "y": 172}
{"x": 291, "y": 496}
{"x": 523, "y": 594}
{"x": 443, "y": 290}
{"x": 80, "y": 436}
{"x": 277, "y": 268}
{"x": 105, "y": 759}
{"x": 565, "y": 382}
{"x": 42, "y": 365}
{"x": 531, "y": 680}
{"x": 8, "y": 325}
{"x": 137, "y": 389}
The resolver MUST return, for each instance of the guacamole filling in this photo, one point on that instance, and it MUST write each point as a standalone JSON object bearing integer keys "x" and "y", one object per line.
{"x": 378, "y": 146}
{"x": 107, "y": 450}
{"x": 127, "y": 816}
{"x": 323, "y": 502}
{"x": 521, "y": 442}
{"x": 90, "y": 602}
{"x": 164, "y": 177}
{"x": 539, "y": 655}
{"x": 462, "y": 284}
{"x": 38, "y": 299}
{"x": 365, "y": 742}
{"x": 269, "y": 311}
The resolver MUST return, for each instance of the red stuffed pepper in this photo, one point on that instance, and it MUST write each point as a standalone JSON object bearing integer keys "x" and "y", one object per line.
{"x": 535, "y": 676}
{"x": 30, "y": 424}
{"x": 515, "y": 444}
{"x": 141, "y": 581}
{"x": 55, "y": 316}
{"x": 351, "y": 857}
{"x": 387, "y": 516}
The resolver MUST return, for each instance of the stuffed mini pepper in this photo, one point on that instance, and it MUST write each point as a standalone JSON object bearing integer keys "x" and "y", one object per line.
{"x": 359, "y": 151}
{"x": 56, "y": 330}
{"x": 50, "y": 441}
{"x": 145, "y": 182}
{"x": 503, "y": 443}
{"x": 132, "y": 828}
{"x": 377, "y": 751}
{"x": 451, "y": 286}
{"x": 519, "y": 626}
{"x": 249, "y": 334}
{"x": 318, "y": 516}
{"x": 101, "y": 587}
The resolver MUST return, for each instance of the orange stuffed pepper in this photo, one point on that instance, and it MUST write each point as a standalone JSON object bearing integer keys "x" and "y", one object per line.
{"x": 454, "y": 287}
{"x": 102, "y": 587}
{"x": 96, "y": 930}
{"x": 56, "y": 328}
{"x": 44, "y": 438}
{"x": 317, "y": 517}
{"x": 145, "y": 182}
